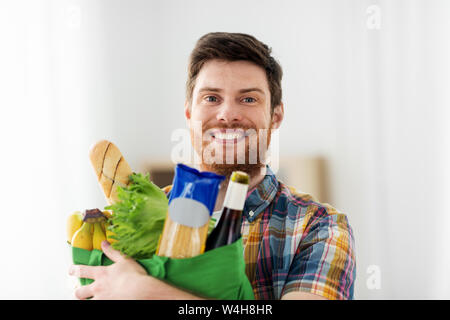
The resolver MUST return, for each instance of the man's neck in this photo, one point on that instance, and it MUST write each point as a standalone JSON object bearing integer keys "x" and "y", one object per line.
{"x": 255, "y": 178}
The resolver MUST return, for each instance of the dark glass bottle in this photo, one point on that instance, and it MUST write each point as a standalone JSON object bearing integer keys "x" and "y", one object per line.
{"x": 228, "y": 229}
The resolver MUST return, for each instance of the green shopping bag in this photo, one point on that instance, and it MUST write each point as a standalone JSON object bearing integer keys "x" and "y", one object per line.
{"x": 218, "y": 274}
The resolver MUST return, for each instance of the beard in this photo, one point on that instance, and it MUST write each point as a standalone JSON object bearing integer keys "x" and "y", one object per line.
{"x": 247, "y": 153}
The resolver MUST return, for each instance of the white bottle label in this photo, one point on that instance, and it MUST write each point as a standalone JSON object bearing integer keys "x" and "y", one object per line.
{"x": 235, "y": 196}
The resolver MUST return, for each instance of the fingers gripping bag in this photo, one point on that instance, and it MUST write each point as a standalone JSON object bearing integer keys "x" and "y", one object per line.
{"x": 180, "y": 259}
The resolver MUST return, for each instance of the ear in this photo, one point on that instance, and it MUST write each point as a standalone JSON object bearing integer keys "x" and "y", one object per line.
{"x": 277, "y": 116}
{"x": 187, "y": 113}
{"x": 187, "y": 110}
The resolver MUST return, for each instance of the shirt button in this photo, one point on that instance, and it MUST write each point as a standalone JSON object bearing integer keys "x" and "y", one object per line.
{"x": 251, "y": 213}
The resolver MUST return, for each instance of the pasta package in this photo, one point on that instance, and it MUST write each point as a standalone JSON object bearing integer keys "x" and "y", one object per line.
{"x": 191, "y": 203}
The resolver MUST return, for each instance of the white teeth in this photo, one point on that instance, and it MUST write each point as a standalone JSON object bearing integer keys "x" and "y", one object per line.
{"x": 228, "y": 136}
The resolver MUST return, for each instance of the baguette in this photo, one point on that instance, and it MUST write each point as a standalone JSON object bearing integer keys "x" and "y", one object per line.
{"x": 110, "y": 167}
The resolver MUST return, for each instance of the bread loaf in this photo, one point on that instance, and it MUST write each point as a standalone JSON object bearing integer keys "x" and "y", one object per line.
{"x": 110, "y": 167}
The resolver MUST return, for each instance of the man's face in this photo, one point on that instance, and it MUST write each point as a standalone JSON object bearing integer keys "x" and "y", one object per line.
{"x": 230, "y": 117}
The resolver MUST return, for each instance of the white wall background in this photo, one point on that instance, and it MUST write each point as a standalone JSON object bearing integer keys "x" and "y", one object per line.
{"x": 366, "y": 84}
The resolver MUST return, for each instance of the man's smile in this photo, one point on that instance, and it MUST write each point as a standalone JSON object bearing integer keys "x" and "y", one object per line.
{"x": 227, "y": 136}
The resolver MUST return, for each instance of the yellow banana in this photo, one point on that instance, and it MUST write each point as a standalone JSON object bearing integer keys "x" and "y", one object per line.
{"x": 107, "y": 214}
{"x": 104, "y": 225}
{"x": 98, "y": 236}
{"x": 83, "y": 237}
{"x": 110, "y": 233}
{"x": 74, "y": 222}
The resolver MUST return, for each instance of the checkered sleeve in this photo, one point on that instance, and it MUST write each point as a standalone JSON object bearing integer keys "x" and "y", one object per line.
{"x": 324, "y": 262}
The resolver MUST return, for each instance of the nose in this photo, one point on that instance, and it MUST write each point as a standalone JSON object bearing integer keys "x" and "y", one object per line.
{"x": 229, "y": 113}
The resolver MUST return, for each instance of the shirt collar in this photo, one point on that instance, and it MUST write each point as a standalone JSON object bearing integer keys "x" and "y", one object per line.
{"x": 261, "y": 196}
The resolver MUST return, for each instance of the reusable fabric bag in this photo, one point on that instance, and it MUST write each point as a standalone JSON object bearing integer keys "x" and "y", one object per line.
{"x": 218, "y": 274}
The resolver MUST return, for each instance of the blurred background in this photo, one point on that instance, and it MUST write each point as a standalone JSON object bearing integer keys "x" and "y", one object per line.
{"x": 366, "y": 90}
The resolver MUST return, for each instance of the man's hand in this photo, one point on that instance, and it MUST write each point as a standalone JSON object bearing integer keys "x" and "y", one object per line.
{"x": 298, "y": 295}
{"x": 124, "y": 280}
{"x": 118, "y": 281}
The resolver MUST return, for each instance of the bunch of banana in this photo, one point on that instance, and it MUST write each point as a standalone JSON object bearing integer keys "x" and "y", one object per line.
{"x": 87, "y": 230}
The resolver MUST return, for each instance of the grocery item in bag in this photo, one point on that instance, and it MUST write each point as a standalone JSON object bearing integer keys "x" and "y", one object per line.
{"x": 191, "y": 204}
{"x": 228, "y": 229}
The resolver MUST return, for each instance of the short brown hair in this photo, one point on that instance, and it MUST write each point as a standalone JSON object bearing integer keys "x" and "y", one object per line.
{"x": 233, "y": 47}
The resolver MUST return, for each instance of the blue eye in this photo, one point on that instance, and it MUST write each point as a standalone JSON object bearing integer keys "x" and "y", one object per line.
{"x": 211, "y": 99}
{"x": 253, "y": 100}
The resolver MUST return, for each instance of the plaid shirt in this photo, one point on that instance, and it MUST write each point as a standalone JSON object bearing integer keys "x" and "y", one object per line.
{"x": 293, "y": 243}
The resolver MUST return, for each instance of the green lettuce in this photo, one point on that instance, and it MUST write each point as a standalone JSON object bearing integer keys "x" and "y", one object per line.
{"x": 138, "y": 218}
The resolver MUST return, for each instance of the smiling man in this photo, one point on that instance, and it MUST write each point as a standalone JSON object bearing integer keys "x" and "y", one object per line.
{"x": 231, "y": 103}
{"x": 294, "y": 246}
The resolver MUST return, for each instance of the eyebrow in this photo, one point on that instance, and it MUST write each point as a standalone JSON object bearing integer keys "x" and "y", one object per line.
{"x": 240, "y": 91}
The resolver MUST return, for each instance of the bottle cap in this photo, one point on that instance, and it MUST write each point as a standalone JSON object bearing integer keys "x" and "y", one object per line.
{"x": 240, "y": 177}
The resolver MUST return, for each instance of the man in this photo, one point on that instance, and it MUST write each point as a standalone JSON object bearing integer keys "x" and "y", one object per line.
{"x": 294, "y": 247}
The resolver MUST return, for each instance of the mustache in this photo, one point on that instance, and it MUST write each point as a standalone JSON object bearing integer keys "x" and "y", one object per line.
{"x": 229, "y": 127}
